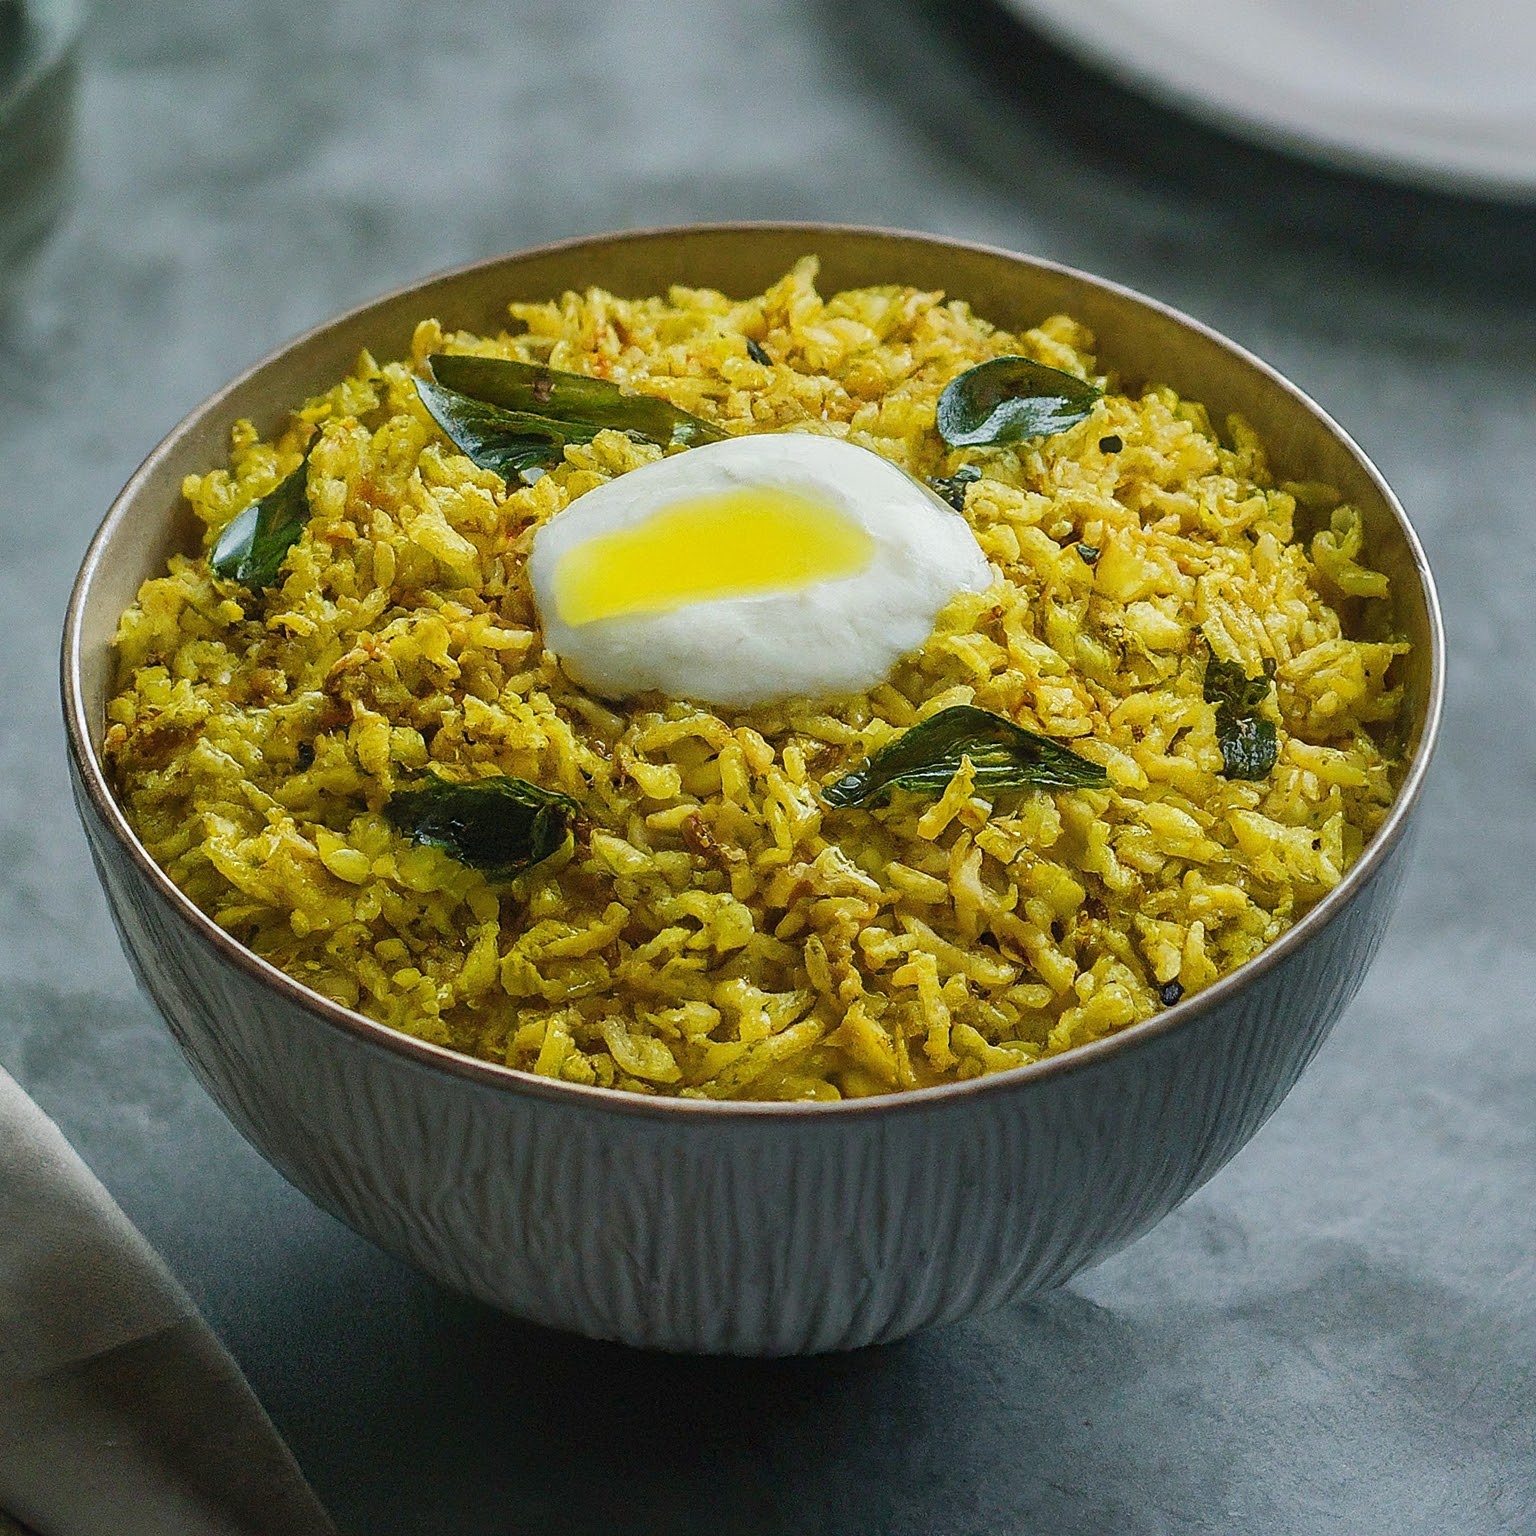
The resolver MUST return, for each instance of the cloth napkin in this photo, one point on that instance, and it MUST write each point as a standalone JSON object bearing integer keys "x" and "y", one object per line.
{"x": 120, "y": 1412}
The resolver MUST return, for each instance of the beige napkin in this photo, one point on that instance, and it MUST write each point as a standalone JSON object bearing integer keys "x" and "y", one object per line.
{"x": 120, "y": 1413}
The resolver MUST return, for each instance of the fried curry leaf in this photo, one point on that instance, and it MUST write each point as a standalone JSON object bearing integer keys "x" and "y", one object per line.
{"x": 952, "y": 487}
{"x": 1009, "y": 399}
{"x": 573, "y": 398}
{"x": 1248, "y": 746}
{"x": 508, "y": 443}
{"x": 251, "y": 549}
{"x": 1247, "y": 740}
{"x": 1230, "y": 688}
{"x": 1004, "y": 756}
{"x": 501, "y": 826}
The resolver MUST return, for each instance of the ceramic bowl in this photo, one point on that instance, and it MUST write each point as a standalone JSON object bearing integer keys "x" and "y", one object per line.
{"x": 742, "y": 1228}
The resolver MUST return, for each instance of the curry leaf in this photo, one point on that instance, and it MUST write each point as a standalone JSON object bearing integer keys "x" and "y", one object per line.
{"x": 501, "y": 825}
{"x": 1229, "y": 687}
{"x": 1004, "y": 756}
{"x": 1248, "y": 746}
{"x": 1009, "y": 399}
{"x": 573, "y": 398}
{"x": 952, "y": 487}
{"x": 1247, "y": 740}
{"x": 251, "y": 549}
{"x": 508, "y": 443}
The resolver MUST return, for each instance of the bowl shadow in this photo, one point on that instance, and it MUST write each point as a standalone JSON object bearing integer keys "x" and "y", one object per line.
{"x": 1051, "y": 1414}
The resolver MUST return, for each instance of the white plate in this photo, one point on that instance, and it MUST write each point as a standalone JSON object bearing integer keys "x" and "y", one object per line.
{"x": 1436, "y": 92}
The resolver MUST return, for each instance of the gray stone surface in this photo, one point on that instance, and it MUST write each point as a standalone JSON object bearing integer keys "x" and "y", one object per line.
{"x": 1339, "y": 1333}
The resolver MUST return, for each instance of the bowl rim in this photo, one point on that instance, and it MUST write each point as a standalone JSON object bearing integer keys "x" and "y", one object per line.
{"x": 423, "y": 1054}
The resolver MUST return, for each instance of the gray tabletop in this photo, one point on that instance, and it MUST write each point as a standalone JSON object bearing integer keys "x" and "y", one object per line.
{"x": 1338, "y": 1334}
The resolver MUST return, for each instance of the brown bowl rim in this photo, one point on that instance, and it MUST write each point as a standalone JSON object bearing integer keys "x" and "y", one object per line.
{"x": 424, "y": 1054}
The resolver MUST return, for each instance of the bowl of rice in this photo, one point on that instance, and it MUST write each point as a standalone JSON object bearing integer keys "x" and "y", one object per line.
{"x": 758, "y": 788}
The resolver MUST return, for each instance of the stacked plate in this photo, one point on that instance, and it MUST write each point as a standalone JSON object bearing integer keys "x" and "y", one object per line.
{"x": 1433, "y": 94}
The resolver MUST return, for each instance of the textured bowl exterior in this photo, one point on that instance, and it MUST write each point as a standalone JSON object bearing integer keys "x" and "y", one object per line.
{"x": 745, "y": 1229}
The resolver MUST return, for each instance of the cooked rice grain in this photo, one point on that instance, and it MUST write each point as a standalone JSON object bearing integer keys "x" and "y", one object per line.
{"x": 714, "y": 929}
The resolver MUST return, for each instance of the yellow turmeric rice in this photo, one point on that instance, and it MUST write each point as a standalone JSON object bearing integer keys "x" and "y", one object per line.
{"x": 712, "y": 927}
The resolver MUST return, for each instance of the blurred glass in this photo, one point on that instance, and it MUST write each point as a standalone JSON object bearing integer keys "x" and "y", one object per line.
{"x": 12, "y": 28}
{"x": 38, "y": 71}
